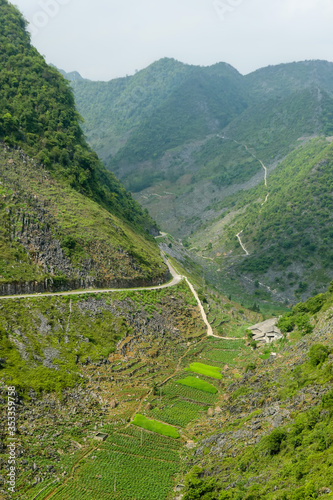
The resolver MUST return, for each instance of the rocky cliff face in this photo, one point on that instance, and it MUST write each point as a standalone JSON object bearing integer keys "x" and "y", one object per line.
{"x": 61, "y": 239}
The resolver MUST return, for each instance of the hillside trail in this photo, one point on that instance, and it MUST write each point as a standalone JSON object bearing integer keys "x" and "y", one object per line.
{"x": 241, "y": 243}
{"x": 176, "y": 279}
{"x": 255, "y": 157}
{"x": 265, "y": 179}
{"x": 70, "y": 476}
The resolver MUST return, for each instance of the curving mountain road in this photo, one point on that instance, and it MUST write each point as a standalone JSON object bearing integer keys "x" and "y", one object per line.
{"x": 176, "y": 278}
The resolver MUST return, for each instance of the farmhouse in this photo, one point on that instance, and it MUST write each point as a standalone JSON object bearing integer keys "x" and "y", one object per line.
{"x": 266, "y": 332}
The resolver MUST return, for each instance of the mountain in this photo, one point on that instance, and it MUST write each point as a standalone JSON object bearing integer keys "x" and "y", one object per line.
{"x": 177, "y": 168}
{"x": 196, "y": 187}
{"x": 157, "y": 109}
{"x": 66, "y": 221}
{"x": 284, "y": 79}
{"x": 151, "y": 392}
{"x": 284, "y": 227}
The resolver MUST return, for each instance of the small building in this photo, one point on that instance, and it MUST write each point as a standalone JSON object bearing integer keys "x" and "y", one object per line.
{"x": 101, "y": 436}
{"x": 266, "y": 332}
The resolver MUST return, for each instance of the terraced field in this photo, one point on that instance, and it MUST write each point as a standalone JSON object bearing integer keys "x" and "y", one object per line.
{"x": 129, "y": 464}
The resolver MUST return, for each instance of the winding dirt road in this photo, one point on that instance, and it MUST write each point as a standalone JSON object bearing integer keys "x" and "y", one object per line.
{"x": 176, "y": 278}
{"x": 265, "y": 178}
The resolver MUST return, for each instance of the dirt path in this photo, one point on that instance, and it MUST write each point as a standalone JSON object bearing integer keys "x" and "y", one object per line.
{"x": 254, "y": 156}
{"x": 72, "y": 472}
{"x": 267, "y": 195}
{"x": 226, "y": 338}
{"x": 265, "y": 179}
{"x": 240, "y": 242}
{"x": 203, "y": 314}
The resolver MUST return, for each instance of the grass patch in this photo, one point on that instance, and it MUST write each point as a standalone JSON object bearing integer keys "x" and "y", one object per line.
{"x": 198, "y": 384}
{"x": 154, "y": 426}
{"x": 209, "y": 371}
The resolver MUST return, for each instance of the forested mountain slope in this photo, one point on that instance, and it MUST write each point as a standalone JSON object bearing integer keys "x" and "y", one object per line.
{"x": 285, "y": 227}
{"x": 65, "y": 217}
{"x": 164, "y": 128}
{"x": 139, "y": 117}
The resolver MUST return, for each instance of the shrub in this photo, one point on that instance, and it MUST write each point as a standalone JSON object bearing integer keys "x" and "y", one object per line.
{"x": 249, "y": 334}
{"x": 286, "y": 323}
{"x": 327, "y": 400}
{"x": 303, "y": 323}
{"x": 274, "y": 441}
{"x": 318, "y": 354}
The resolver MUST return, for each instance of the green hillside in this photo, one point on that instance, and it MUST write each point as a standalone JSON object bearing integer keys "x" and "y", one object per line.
{"x": 284, "y": 79}
{"x": 288, "y": 236}
{"x": 65, "y": 218}
{"x": 158, "y": 108}
{"x": 273, "y": 436}
{"x": 37, "y": 112}
{"x": 169, "y": 131}
{"x": 208, "y": 189}
{"x": 51, "y": 234}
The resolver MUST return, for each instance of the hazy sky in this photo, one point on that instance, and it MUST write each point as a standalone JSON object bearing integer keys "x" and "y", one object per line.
{"x": 105, "y": 39}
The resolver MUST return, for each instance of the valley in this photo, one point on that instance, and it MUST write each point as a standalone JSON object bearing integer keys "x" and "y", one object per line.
{"x": 134, "y": 354}
{"x": 193, "y": 188}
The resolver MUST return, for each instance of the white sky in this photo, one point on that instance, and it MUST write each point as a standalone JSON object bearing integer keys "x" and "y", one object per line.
{"x": 105, "y": 39}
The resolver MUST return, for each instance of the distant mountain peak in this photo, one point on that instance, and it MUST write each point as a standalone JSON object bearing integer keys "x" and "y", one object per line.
{"x": 72, "y": 76}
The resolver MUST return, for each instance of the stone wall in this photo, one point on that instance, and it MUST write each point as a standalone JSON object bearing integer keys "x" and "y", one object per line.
{"x": 66, "y": 284}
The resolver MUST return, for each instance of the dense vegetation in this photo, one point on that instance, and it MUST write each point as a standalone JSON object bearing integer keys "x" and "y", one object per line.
{"x": 286, "y": 233}
{"x": 158, "y": 108}
{"x": 294, "y": 226}
{"x": 37, "y": 112}
{"x": 173, "y": 141}
{"x": 299, "y": 317}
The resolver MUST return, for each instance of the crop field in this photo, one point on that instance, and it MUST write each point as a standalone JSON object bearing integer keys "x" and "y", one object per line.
{"x": 124, "y": 469}
{"x": 179, "y": 413}
{"x": 207, "y": 370}
{"x": 225, "y": 344}
{"x": 222, "y": 356}
{"x": 174, "y": 390}
{"x": 154, "y": 426}
{"x": 197, "y": 383}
